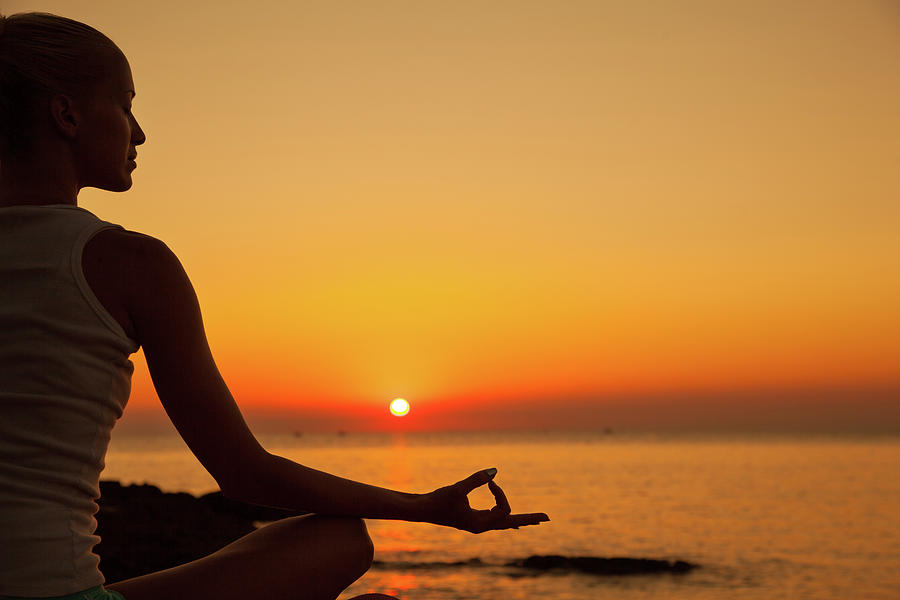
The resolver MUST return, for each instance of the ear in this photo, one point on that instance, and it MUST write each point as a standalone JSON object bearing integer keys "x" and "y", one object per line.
{"x": 65, "y": 117}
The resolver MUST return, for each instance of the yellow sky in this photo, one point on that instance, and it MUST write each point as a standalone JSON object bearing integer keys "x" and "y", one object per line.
{"x": 503, "y": 201}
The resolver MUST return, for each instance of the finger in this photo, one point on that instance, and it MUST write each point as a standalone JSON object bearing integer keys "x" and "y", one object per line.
{"x": 521, "y": 520}
{"x": 476, "y": 480}
{"x": 487, "y": 520}
{"x": 502, "y": 503}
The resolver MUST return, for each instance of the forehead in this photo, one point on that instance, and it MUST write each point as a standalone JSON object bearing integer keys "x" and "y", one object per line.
{"x": 118, "y": 77}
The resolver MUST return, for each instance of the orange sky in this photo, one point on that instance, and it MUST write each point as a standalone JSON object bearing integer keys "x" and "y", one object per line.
{"x": 490, "y": 206}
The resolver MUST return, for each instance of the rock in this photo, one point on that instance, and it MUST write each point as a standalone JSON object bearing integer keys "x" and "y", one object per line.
{"x": 603, "y": 566}
{"x": 409, "y": 565}
{"x": 144, "y": 530}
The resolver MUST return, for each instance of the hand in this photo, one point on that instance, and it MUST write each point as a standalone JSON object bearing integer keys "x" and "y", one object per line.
{"x": 450, "y": 506}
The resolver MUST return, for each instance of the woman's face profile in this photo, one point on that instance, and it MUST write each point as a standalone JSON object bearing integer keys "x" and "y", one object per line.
{"x": 109, "y": 133}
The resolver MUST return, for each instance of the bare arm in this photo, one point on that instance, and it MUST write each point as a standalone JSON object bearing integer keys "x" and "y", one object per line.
{"x": 167, "y": 322}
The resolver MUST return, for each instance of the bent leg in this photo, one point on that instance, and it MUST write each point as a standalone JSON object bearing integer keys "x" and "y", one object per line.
{"x": 300, "y": 558}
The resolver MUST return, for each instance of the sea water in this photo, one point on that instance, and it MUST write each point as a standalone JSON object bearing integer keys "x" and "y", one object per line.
{"x": 764, "y": 517}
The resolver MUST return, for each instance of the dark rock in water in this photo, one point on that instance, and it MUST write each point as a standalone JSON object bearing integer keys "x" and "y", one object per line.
{"x": 429, "y": 565}
{"x": 603, "y": 566}
{"x": 553, "y": 564}
{"x": 144, "y": 530}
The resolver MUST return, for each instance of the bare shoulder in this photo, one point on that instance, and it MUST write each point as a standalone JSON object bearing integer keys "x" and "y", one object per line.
{"x": 139, "y": 259}
{"x": 136, "y": 248}
{"x": 132, "y": 274}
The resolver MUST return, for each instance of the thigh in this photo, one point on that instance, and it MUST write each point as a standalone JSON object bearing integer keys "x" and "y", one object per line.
{"x": 309, "y": 557}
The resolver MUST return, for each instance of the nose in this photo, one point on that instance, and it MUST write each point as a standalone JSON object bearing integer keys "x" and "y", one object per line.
{"x": 137, "y": 134}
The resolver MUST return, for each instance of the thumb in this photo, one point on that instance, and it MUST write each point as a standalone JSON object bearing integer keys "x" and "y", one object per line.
{"x": 476, "y": 479}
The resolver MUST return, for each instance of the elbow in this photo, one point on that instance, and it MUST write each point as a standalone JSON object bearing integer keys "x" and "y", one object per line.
{"x": 244, "y": 480}
{"x": 230, "y": 490}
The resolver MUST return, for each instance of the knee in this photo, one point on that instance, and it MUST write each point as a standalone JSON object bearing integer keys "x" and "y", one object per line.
{"x": 341, "y": 545}
{"x": 345, "y": 542}
{"x": 358, "y": 546}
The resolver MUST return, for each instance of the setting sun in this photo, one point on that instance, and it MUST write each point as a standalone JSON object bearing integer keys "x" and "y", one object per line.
{"x": 399, "y": 407}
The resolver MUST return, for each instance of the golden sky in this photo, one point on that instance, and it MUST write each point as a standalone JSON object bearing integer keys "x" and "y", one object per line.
{"x": 484, "y": 206}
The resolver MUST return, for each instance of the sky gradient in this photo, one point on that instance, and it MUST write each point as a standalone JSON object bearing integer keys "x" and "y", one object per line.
{"x": 526, "y": 214}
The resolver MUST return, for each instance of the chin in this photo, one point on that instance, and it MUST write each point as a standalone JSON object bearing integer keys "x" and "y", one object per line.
{"x": 121, "y": 185}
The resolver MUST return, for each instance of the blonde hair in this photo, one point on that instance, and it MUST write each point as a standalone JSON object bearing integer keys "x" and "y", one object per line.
{"x": 40, "y": 55}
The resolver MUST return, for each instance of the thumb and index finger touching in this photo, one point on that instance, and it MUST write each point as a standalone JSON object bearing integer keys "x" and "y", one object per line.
{"x": 486, "y": 476}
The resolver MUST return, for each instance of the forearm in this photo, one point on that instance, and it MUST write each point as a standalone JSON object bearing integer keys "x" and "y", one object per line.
{"x": 278, "y": 482}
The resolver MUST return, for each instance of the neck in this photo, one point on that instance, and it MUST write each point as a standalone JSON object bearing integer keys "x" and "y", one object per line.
{"x": 37, "y": 182}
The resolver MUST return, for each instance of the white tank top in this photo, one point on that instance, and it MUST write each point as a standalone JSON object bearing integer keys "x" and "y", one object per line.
{"x": 65, "y": 377}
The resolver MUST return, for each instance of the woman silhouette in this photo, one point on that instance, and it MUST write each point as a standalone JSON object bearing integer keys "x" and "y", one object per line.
{"x": 78, "y": 296}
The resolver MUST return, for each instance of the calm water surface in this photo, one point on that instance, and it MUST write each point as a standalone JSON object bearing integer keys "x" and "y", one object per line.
{"x": 765, "y": 517}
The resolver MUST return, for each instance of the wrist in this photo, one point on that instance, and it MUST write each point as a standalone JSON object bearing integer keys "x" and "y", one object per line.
{"x": 418, "y": 508}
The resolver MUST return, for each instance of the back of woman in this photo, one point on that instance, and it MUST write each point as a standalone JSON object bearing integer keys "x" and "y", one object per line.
{"x": 64, "y": 381}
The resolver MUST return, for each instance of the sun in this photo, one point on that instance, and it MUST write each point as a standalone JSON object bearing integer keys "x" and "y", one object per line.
{"x": 399, "y": 407}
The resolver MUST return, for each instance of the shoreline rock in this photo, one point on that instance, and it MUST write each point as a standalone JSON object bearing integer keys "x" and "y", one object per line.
{"x": 144, "y": 529}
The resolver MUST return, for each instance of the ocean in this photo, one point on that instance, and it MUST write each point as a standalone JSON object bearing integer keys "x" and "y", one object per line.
{"x": 764, "y": 516}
